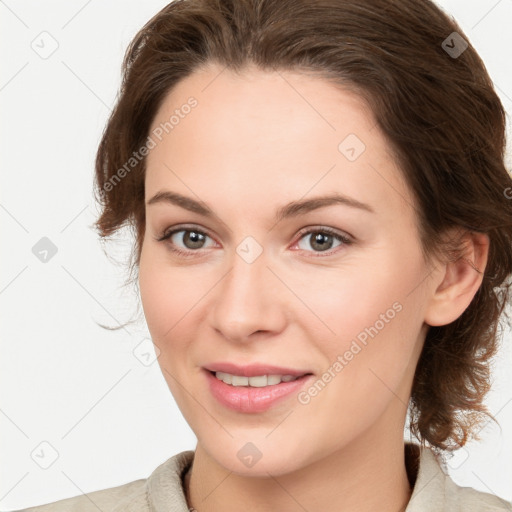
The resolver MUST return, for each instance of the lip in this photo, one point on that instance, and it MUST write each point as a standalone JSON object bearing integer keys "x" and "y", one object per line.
{"x": 253, "y": 370}
{"x": 254, "y": 400}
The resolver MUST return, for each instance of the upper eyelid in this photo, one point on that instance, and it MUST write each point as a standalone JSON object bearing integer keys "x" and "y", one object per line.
{"x": 174, "y": 230}
{"x": 333, "y": 231}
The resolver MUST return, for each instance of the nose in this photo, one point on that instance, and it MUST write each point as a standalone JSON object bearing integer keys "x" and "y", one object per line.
{"x": 249, "y": 301}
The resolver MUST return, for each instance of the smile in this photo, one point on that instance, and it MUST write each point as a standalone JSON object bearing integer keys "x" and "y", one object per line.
{"x": 257, "y": 381}
{"x": 255, "y": 394}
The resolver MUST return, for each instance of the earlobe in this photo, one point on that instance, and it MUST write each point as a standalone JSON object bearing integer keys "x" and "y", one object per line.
{"x": 461, "y": 279}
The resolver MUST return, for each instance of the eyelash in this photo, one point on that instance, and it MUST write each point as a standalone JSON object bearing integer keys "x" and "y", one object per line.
{"x": 166, "y": 235}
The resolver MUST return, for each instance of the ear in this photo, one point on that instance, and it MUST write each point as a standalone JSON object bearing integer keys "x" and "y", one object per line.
{"x": 460, "y": 280}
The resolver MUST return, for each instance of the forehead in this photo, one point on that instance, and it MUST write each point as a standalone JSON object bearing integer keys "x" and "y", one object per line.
{"x": 278, "y": 130}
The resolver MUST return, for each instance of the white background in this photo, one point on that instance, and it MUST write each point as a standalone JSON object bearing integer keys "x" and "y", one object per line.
{"x": 65, "y": 380}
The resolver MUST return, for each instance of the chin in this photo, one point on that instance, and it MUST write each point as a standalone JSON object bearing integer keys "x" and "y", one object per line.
{"x": 256, "y": 459}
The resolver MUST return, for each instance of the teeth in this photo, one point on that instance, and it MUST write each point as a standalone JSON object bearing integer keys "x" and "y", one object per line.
{"x": 258, "y": 381}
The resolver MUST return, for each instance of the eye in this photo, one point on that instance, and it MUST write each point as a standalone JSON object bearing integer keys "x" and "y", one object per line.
{"x": 186, "y": 241}
{"x": 191, "y": 239}
{"x": 321, "y": 239}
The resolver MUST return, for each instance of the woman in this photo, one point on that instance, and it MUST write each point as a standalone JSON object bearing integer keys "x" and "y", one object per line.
{"x": 323, "y": 228}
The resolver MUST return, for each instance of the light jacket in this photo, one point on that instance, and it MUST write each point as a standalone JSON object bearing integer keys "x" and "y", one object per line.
{"x": 163, "y": 491}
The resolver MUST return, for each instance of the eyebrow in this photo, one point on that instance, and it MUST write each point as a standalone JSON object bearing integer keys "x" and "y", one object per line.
{"x": 292, "y": 209}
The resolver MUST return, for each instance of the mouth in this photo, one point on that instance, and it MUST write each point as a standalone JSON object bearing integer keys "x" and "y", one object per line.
{"x": 256, "y": 381}
{"x": 255, "y": 370}
{"x": 255, "y": 393}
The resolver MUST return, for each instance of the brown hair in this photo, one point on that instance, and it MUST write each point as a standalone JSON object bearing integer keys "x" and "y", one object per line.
{"x": 438, "y": 111}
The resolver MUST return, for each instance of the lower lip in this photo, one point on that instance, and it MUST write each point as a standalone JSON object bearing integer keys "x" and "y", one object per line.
{"x": 251, "y": 399}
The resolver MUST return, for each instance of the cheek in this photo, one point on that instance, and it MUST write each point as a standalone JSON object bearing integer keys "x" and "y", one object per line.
{"x": 347, "y": 302}
{"x": 155, "y": 300}
{"x": 165, "y": 300}
{"x": 374, "y": 315}
{"x": 164, "y": 294}
{"x": 170, "y": 294}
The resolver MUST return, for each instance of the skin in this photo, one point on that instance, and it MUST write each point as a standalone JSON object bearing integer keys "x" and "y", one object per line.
{"x": 254, "y": 143}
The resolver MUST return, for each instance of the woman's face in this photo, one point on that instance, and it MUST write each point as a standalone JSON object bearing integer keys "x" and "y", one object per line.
{"x": 270, "y": 274}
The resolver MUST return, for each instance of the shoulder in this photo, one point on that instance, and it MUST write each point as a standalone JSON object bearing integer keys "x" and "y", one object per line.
{"x": 435, "y": 490}
{"x": 472, "y": 500}
{"x": 162, "y": 487}
{"x": 106, "y": 500}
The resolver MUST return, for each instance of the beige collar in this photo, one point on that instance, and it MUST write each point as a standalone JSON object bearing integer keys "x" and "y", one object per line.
{"x": 433, "y": 490}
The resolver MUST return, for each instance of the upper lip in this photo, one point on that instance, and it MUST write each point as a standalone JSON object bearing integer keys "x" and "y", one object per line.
{"x": 252, "y": 370}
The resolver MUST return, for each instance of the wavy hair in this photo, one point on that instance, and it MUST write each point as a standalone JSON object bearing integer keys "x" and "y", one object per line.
{"x": 435, "y": 104}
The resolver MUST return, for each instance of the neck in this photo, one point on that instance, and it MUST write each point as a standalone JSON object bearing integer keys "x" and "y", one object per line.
{"x": 363, "y": 477}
